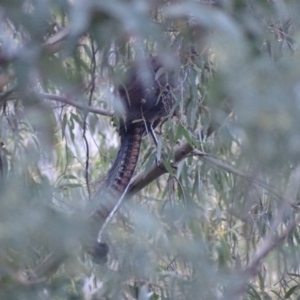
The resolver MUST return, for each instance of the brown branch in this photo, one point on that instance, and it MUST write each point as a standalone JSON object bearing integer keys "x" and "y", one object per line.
{"x": 143, "y": 179}
{"x": 180, "y": 152}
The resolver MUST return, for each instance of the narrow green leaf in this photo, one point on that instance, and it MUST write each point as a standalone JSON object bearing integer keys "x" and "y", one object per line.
{"x": 291, "y": 291}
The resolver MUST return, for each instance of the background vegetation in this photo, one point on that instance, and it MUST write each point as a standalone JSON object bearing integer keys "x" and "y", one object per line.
{"x": 223, "y": 223}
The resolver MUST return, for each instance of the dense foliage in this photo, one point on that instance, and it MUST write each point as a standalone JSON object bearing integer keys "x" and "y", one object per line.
{"x": 218, "y": 218}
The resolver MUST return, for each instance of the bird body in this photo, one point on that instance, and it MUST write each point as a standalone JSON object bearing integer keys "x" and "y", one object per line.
{"x": 147, "y": 99}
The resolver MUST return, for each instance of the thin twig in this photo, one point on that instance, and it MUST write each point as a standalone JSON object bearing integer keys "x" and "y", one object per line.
{"x": 217, "y": 162}
{"x": 93, "y": 68}
{"x": 83, "y": 107}
{"x": 65, "y": 100}
{"x": 111, "y": 214}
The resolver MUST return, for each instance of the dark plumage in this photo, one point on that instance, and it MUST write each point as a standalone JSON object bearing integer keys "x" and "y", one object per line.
{"x": 146, "y": 94}
{"x": 147, "y": 99}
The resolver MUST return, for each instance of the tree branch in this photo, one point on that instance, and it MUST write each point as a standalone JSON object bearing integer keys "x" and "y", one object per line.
{"x": 217, "y": 162}
{"x": 83, "y": 107}
{"x": 142, "y": 179}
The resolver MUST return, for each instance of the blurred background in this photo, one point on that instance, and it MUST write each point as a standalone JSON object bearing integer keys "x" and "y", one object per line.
{"x": 220, "y": 219}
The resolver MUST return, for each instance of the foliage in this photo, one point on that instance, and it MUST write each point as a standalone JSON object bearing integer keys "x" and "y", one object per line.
{"x": 222, "y": 222}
